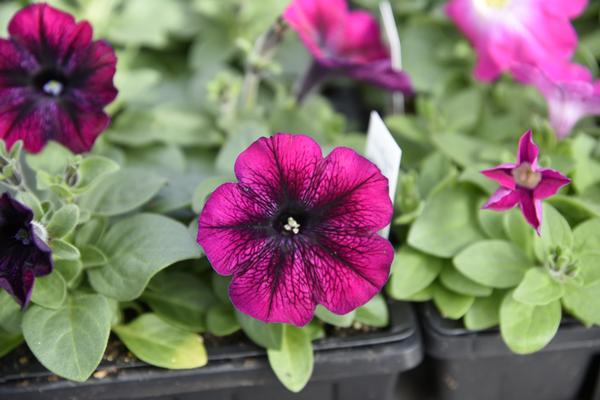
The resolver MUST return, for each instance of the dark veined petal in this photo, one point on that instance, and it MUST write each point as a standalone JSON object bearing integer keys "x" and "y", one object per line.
{"x": 15, "y": 65}
{"x": 350, "y": 194}
{"x": 79, "y": 127}
{"x": 232, "y": 228}
{"x": 49, "y": 34}
{"x": 280, "y": 167}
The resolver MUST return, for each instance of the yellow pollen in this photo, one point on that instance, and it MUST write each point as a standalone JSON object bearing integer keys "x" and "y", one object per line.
{"x": 496, "y": 3}
{"x": 526, "y": 177}
{"x": 292, "y": 226}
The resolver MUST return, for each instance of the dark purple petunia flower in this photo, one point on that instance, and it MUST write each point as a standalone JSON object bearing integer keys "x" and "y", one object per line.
{"x": 524, "y": 184}
{"x": 23, "y": 252}
{"x": 54, "y": 81}
{"x": 344, "y": 42}
{"x": 299, "y": 230}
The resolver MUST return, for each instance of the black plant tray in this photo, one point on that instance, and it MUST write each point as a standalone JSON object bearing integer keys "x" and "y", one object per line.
{"x": 362, "y": 367}
{"x": 465, "y": 365}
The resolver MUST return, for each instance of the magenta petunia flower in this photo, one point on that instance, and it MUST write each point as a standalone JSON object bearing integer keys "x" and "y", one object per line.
{"x": 509, "y": 32}
{"x": 570, "y": 92}
{"x": 23, "y": 252}
{"x": 524, "y": 183}
{"x": 54, "y": 81}
{"x": 299, "y": 230}
{"x": 343, "y": 42}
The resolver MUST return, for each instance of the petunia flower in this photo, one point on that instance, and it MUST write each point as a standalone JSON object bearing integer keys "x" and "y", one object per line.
{"x": 570, "y": 92}
{"x": 54, "y": 81}
{"x": 509, "y": 32}
{"x": 343, "y": 42}
{"x": 299, "y": 230}
{"x": 23, "y": 251}
{"x": 524, "y": 184}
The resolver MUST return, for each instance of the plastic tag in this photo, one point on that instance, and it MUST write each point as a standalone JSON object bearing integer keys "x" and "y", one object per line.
{"x": 383, "y": 150}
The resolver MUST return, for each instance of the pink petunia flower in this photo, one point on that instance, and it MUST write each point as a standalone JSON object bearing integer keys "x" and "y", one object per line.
{"x": 524, "y": 183}
{"x": 509, "y": 32}
{"x": 54, "y": 81}
{"x": 299, "y": 230}
{"x": 570, "y": 92}
{"x": 343, "y": 42}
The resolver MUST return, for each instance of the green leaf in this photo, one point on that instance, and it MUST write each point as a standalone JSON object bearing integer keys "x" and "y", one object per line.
{"x": 447, "y": 224}
{"x": 492, "y": 224}
{"x": 588, "y": 268}
{"x": 69, "y": 341}
{"x": 204, "y": 189}
{"x": 220, "y": 285}
{"x": 221, "y": 320}
{"x": 423, "y": 295}
{"x": 485, "y": 312}
{"x": 555, "y": 232}
{"x": 49, "y": 291}
{"x": 137, "y": 248}
{"x": 518, "y": 231}
{"x": 583, "y": 302}
{"x": 493, "y": 263}
{"x": 434, "y": 169}
{"x": 451, "y": 305}
{"x": 63, "y": 250}
{"x": 457, "y": 282}
{"x": 10, "y": 313}
{"x": 412, "y": 271}
{"x": 293, "y": 362}
{"x": 71, "y": 271}
{"x": 90, "y": 232}
{"x": 92, "y": 169}
{"x": 538, "y": 288}
{"x": 32, "y": 202}
{"x": 181, "y": 299}
{"x": 374, "y": 313}
{"x": 587, "y": 236}
{"x": 63, "y": 221}
{"x": 463, "y": 150}
{"x": 526, "y": 328}
{"x": 156, "y": 342}
{"x": 9, "y": 341}
{"x": 91, "y": 257}
{"x": 575, "y": 209}
{"x": 327, "y": 316}
{"x": 121, "y": 192}
{"x": 269, "y": 336}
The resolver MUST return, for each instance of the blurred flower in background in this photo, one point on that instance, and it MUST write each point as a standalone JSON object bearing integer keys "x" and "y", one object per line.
{"x": 509, "y": 32}
{"x": 54, "y": 81}
{"x": 343, "y": 42}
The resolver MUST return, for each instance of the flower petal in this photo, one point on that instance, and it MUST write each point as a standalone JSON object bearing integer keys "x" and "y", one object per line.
{"x": 531, "y": 209}
{"x": 79, "y": 127}
{"x": 280, "y": 167}
{"x": 380, "y": 73}
{"x": 92, "y": 75}
{"x": 361, "y": 40}
{"x": 501, "y": 174}
{"x": 232, "y": 228}
{"x": 528, "y": 150}
{"x": 503, "y": 199}
{"x": 551, "y": 183}
{"x": 351, "y": 194}
{"x": 347, "y": 270}
{"x": 276, "y": 288}
{"x": 49, "y": 33}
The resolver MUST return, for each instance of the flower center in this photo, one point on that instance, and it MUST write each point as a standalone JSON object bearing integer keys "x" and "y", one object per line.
{"x": 50, "y": 82}
{"x": 291, "y": 222}
{"x": 526, "y": 177}
{"x": 23, "y": 237}
{"x": 496, "y": 3}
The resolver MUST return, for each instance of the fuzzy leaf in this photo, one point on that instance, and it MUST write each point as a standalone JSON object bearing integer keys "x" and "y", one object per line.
{"x": 293, "y": 362}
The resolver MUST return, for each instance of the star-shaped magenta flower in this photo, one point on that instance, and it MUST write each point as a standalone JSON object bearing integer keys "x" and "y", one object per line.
{"x": 569, "y": 90}
{"x": 343, "y": 42}
{"x": 54, "y": 81}
{"x": 509, "y": 32}
{"x": 524, "y": 184}
{"x": 23, "y": 251}
{"x": 299, "y": 230}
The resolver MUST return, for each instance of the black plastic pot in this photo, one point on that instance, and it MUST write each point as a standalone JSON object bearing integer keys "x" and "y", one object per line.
{"x": 464, "y": 365}
{"x": 362, "y": 367}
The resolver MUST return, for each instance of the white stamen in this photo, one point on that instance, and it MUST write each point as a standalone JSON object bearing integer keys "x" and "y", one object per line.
{"x": 40, "y": 231}
{"x": 292, "y": 226}
{"x": 53, "y": 87}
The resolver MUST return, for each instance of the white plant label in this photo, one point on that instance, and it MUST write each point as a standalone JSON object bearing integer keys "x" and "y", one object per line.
{"x": 383, "y": 150}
